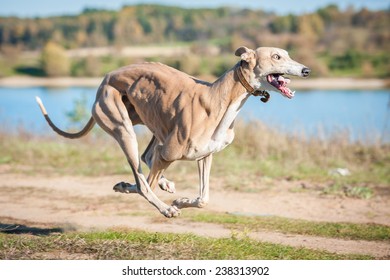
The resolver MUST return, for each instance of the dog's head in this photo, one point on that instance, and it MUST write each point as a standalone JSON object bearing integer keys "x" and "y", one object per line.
{"x": 267, "y": 66}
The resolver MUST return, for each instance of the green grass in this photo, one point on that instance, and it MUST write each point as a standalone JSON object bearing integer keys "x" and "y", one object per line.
{"x": 293, "y": 226}
{"x": 139, "y": 245}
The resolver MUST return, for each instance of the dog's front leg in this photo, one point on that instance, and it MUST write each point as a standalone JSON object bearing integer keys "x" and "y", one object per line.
{"x": 204, "y": 167}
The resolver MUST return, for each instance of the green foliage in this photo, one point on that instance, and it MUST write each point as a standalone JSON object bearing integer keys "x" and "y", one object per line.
{"x": 345, "y": 35}
{"x": 349, "y": 60}
{"x": 146, "y": 26}
{"x": 55, "y": 61}
{"x": 329, "y": 13}
{"x": 284, "y": 24}
{"x": 79, "y": 115}
{"x": 354, "y": 63}
{"x": 91, "y": 66}
{"x": 221, "y": 66}
{"x": 157, "y": 24}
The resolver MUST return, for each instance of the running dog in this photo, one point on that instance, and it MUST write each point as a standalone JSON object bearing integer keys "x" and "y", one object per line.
{"x": 190, "y": 119}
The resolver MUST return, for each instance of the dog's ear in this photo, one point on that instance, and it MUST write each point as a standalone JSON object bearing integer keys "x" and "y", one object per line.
{"x": 245, "y": 53}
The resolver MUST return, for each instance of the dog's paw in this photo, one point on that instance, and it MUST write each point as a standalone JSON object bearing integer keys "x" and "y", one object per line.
{"x": 167, "y": 185}
{"x": 171, "y": 212}
{"x": 183, "y": 202}
{"x": 124, "y": 187}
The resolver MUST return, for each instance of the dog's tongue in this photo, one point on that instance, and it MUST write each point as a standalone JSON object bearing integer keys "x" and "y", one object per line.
{"x": 280, "y": 82}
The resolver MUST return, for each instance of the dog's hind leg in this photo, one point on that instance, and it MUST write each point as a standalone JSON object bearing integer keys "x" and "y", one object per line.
{"x": 204, "y": 167}
{"x": 147, "y": 157}
{"x": 111, "y": 114}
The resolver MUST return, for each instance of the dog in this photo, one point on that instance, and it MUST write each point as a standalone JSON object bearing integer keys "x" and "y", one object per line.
{"x": 190, "y": 119}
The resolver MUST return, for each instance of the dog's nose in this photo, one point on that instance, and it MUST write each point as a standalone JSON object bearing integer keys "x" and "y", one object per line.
{"x": 305, "y": 72}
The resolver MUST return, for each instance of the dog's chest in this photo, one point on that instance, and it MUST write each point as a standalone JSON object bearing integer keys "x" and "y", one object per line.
{"x": 223, "y": 133}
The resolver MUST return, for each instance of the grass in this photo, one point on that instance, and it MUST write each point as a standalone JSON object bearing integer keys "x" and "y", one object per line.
{"x": 139, "y": 245}
{"x": 258, "y": 151}
{"x": 257, "y": 154}
{"x": 61, "y": 156}
{"x": 279, "y": 155}
{"x": 293, "y": 226}
{"x": 340, "y": 189}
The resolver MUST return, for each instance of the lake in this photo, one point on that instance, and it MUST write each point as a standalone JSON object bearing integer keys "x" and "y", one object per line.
{"x": 365, "y": 114}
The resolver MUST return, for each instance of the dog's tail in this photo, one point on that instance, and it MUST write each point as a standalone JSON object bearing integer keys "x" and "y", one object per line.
{"x": 79, "y": 134}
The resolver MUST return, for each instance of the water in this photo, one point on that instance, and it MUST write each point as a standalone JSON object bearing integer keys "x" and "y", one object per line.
{"x": 18, "y": 107}
{"x": 365, "y": 114}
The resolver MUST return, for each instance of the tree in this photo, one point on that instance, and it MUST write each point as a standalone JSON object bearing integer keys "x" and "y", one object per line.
{"x": 55, "y": 61}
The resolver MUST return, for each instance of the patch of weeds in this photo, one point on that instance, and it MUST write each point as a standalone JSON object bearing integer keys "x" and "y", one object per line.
{"x": 359, "y": 192}
{"x": 240, "y": 234}
{"x": 333, "y": 189}
{"x": 343, "y": 189}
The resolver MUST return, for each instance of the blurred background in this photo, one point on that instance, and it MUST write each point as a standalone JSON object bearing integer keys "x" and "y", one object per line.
{"x": 89, "y": 38}
{"x": 345, "y": 44}
{"x": 317, "y": 165}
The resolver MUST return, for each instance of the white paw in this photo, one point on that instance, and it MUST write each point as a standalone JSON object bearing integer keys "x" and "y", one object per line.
{"x": 167, "y": 185}
{"x": 183, "y": 202}
{"x": 171, "y": 212}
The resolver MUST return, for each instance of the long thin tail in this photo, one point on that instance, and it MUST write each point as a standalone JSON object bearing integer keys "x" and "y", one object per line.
{"x": 79, "y": 134}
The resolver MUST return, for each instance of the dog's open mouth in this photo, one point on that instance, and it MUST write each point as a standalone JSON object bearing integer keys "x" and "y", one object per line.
{"x": 279, "y": 82}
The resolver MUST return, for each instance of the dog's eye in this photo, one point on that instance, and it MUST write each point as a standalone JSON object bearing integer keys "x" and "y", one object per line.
{"x": 276, "y": 56}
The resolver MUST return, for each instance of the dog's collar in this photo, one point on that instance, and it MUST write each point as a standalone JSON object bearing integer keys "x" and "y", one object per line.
{"x": 255, "y": 92}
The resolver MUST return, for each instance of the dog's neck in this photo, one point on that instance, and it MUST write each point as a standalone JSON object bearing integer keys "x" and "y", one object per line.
{"x": 228, "y": 88}
{"x": 239, "y": 75}
{"x": 249, "y": 88}
{"x": 244, "y": 81}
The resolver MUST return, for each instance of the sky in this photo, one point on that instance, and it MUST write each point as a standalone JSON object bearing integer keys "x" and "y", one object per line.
{"x": 42, "y": 8}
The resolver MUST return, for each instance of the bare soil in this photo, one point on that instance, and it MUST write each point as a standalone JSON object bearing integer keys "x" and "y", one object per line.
{"x": 89, "y": 203}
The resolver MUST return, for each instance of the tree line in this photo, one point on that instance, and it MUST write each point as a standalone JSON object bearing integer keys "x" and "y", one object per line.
{"x": 329, "y": 38}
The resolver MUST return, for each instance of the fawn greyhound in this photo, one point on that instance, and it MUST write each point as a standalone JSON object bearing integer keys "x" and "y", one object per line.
{"x": 190, "y": 119}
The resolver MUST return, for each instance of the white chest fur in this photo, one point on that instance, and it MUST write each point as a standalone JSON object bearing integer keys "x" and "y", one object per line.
{"x": 223, "y": 134}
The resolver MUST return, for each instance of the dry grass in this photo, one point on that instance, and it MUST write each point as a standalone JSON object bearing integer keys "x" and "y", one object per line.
{"x": 257, "y": 151}
{"x": 259, "y": 148}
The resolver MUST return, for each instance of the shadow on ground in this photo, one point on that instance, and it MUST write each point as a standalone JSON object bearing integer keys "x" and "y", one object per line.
{"x": 23, "y": 229}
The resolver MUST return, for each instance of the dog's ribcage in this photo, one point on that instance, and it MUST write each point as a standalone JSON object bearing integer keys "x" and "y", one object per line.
{"x": 223, "y": 134}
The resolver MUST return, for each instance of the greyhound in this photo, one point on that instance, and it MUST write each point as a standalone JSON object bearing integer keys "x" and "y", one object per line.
{"x": 190, "y": 119}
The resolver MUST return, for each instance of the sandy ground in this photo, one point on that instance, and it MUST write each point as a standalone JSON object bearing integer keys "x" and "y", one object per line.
{"x": 86, "y": 203}
{"x": 297, "y": 83}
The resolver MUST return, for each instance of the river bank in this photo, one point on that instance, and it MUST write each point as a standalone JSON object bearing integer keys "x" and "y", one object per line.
{"x": 310, "y": 83}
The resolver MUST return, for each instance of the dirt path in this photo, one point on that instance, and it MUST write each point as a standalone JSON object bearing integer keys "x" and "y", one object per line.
{"x": 88, "y": 203}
